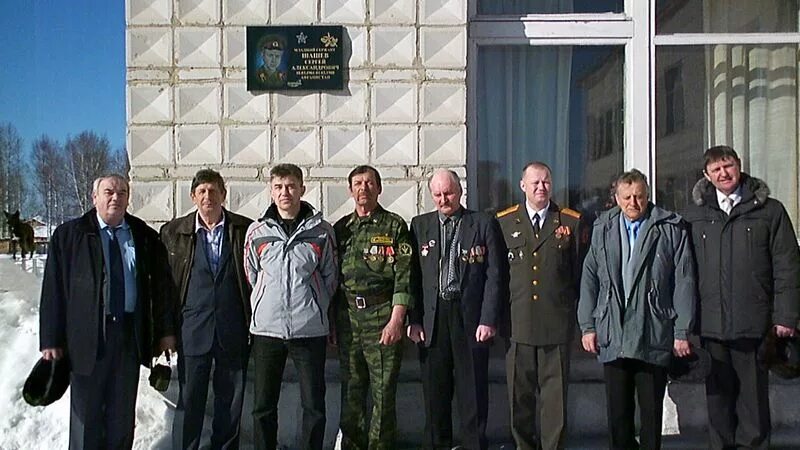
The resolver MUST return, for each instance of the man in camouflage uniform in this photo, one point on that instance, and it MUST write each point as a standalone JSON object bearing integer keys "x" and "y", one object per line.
{"x": 375, "y": 251}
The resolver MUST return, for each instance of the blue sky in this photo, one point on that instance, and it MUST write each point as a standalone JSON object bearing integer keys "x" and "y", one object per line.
{"x": 63, "y": 68}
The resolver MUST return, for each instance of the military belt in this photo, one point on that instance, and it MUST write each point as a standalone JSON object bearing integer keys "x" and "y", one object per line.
{"x": 362, "y": 301}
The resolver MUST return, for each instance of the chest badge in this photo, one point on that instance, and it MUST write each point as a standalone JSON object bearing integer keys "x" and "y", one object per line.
{"x": 515, "y": 234}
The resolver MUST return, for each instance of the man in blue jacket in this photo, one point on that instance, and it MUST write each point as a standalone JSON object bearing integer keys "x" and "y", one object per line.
{"x": 636, "y": 307}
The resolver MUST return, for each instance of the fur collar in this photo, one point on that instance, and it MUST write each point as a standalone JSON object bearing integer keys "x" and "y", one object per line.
{"x": 756, "y": 186}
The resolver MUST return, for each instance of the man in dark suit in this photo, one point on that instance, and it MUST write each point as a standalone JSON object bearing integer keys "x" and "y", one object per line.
{"x": 543, "y": 256}
{"x": 461, "y": 286}
{"x": 206, "y": 250}
{"x": 105, "y": 305}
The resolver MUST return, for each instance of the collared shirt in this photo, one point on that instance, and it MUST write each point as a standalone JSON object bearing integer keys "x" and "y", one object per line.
{"x": 736, "y": 196}
{"x": 633, "y": 229}
{"x": 212, "y": 240}
{"x": 542, "y": 213}
{"x": 128, "y": 250}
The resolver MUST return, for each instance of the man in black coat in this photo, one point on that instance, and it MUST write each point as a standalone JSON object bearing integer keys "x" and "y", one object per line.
{"x": 542, "y": 240}
{"x": 461, "y": 285}
{"x": 749, "y": 279}
{"x": 206, "y": 250}
{"x": 106, "y": 305}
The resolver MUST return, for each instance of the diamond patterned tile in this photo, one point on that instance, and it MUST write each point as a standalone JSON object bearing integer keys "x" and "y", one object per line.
{"x": 149, "y": 12}
{"x": 345, "y": 107}
{"x": 234, "y": 47}
{"x": 198, "y": 103}
{"x": 443, "y": 103}
{"x": 149, "y": 103}
{"x": 443, "y": 145}
{"x": 345, "y": 145}
{"x": 245, "y": 12}
{"x": 395, "y": 145}
{"x": 296, "y": 108}
{"x": 152, "y": 200}
{"x": 393, "y": 12}
{"x": 249, "y": 199}
{"x": 443, "y": 12}
{"x": 295, "y": 12}
{"x": 336, "y": 200}
{"x": 150, "y": 145}
{"x": 201, "y": 12}
{"x": 243, "y": 106}
{"x": 149, "y": 47}
{"x": 444, "y": 47}
{"x": 393, "y": 46}
{"x": 401, "y": 198}
{"x": 343, "y": 11}
{"x": 199, "y": 144}
{"x": 314, "y": 195}
{"x": 247, "y": 145}
{"x": 298, "y": 145}
{"x": 183, "y": 198}
{"x": 355, "y": 46}
{"x": 198, "y": 46}
{"x": 396, "y": 102}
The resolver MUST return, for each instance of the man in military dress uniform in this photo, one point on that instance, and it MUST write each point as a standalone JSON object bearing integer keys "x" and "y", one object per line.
{"x": 270, "y": 74}
{"x": 375, "y": 257}
{"x": 543, "y": 255}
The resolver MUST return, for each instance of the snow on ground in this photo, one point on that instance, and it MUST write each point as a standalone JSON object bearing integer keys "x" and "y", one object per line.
{"x": 31, "y": 428}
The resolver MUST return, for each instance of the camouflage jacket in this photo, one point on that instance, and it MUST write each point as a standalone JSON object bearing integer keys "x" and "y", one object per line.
{"x": 375, "y": 255}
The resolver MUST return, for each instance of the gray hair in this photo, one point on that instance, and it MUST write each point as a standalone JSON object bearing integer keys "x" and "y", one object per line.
{"x": 114, "y": 176}
{"x": 630, "y": 177}
{"x": 451, "y": 174}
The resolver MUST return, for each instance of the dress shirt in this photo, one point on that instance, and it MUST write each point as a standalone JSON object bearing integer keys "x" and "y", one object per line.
{"x": 128, "y": 250}
{"x": 736, "y": 196}
{"x": 212, "y": 240}
{"x": 542, "y": 213}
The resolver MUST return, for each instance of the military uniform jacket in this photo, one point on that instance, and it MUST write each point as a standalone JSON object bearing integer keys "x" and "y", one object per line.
{"x": 374, "y": 256}
{"x": 544, "y": 275}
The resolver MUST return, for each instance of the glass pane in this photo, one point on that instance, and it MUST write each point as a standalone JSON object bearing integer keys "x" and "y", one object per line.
{"x": 497, "y": 7}
{"x": 744, "y": 96}
{"x": 726, "y": 16}
{"x": 560, "y": 105}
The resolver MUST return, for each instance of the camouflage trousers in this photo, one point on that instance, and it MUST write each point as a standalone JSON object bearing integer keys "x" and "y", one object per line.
{"x": 367, "y": 366}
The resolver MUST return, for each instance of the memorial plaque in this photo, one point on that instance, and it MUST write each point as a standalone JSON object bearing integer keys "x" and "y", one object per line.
{"x": 284, "y": 58}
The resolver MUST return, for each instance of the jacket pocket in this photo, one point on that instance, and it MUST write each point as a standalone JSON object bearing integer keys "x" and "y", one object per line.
{"x": 661, "y": 320}
{"x": 602, "y": 322}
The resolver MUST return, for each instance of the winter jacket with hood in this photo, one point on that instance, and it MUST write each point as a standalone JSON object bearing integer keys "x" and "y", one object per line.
{"x": 293, "y": 276}
{"x": 660, "y": 306}
{"x": 748, "y": 262}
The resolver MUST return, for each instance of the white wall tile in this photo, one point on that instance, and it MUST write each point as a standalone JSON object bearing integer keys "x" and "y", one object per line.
{"x": 393, "y": 46}
{"x": 245, "y": 12}
{"x": 199, "y": 144}
{"x": 441, "y": 102}
{"x": 244, "y": 106}
{"x": 149, "y": 47}
{"x": 200, "y": 103}
{"x": 200, "y": 12}
{"x": 395, "y": 144}
{"x": 443, "y": 145}
{"x": 345, "y": 145}
{"x": 148, "y": 12}
{"x": 393, "y": 11}
{"x": 350, "y": 106}
{"x": 298, "y": 145}
{"x": 443, "y": 47}
{"x": 149, "y": 103}
{"x": 394, "y": 103}
{"x": 294, "y": 12}
{"x": 297, "y": 108}
{"x": 198, "y": 46}
{"x": 150, "y": 145}
{"x": 247, "y": 145}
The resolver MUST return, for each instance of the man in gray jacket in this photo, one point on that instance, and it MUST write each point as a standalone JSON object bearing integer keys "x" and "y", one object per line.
{"x": 290, "y": 260}
{"x": 637, "y": 306}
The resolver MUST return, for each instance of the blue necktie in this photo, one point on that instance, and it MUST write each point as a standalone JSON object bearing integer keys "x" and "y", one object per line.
{"x": 116, "y": 278}
{"x": 633, "y": 231}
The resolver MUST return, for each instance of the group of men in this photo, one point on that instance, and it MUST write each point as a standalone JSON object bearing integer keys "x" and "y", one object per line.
{"x": 217, "y": 287}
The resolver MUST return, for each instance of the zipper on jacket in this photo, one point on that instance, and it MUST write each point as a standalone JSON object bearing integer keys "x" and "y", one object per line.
{"x": 749, "y": 243}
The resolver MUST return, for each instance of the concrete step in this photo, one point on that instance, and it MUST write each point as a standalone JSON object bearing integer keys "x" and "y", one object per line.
{"x": 684, "y": 407}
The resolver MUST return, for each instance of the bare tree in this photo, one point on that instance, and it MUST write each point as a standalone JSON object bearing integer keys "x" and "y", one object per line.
{"x": 88, "y": 156}
{"x": 12, "y": 168}
{"x": 49, "y": 168}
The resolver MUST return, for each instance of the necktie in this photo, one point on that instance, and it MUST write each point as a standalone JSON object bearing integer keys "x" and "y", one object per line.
{"x": 633, "y": 232}
{"x": 727, "y": 205}
{"x": 536, "y": 227}
{"x": 116, "y": 278}
{"x": 448, "y": 275}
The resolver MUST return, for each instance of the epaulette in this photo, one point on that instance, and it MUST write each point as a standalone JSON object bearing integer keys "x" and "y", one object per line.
{"x": 507, "y": 211}
{"x": 571, "y": 212}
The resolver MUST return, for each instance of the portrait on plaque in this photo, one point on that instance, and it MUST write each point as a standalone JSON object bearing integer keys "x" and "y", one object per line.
{"x": 283, "y": 58}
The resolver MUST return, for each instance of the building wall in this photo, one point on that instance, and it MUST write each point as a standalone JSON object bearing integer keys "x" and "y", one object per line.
{"x": 403, "y": 108}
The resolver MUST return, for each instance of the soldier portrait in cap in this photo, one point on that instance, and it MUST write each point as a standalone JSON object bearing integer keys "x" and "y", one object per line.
{"x": 271, "y": 70}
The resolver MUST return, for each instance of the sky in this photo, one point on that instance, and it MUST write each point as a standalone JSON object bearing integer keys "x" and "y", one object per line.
{"x": 63, "y": 68}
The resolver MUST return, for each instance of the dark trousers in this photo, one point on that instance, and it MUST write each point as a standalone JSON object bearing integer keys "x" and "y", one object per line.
{"x": 269, "y": 358}
{"x": 451, "y": 359}
{"x": 626, "y": 381}
{"x": 737, "y": 393}
{"x": 537, "y": 387}
{"x": 194, "y": 374}
{"x": 103, "y": 404}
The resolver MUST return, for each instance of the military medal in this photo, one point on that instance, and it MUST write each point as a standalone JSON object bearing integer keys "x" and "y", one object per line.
{"x": 373, "y": 252}
{"x": 424, "y": 251}
{"x": 510, "y": 255}
{"x": 464, "y": 255}
{"x": 515, "y": 234}
{"x": 521, "y": 254}
{"x": 480, "y": 251}
{"x": 431, "y": 243}
{"x": 390, "y": 254}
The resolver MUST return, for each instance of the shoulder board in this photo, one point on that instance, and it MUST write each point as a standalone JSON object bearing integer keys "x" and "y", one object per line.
{"x": 508, "y": 211}
{"x": 571, "y": 212}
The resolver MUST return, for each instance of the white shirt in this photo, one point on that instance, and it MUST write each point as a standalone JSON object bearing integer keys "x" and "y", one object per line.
{"x": 736, "y": 196}
{"x": 542, "y": 213}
